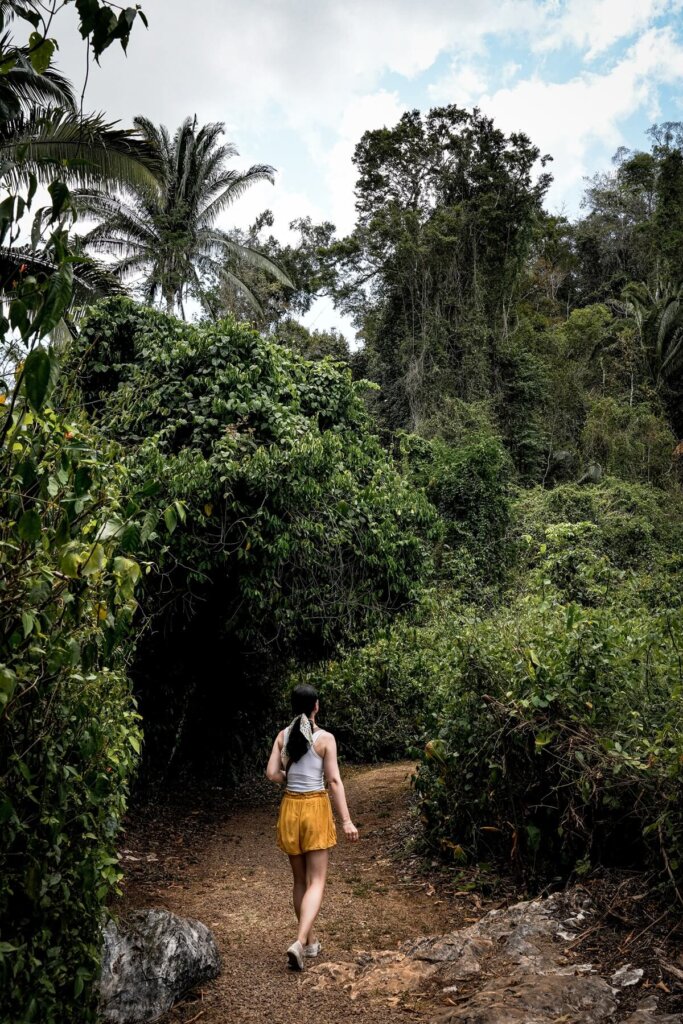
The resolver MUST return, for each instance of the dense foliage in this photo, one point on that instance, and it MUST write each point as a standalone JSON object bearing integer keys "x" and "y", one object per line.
{"x": 290, "y": 529}
{"x": 552, "y": 718}
{"x": 69, "y": 731}
{"x": 559, "y": 739}
{"x": 446, "y": 205}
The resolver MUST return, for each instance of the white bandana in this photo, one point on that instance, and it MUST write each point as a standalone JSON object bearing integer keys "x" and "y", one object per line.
{"x": 306, "y": 731}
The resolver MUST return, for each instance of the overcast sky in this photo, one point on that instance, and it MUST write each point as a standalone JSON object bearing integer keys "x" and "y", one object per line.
{"x": 298, "y": 81}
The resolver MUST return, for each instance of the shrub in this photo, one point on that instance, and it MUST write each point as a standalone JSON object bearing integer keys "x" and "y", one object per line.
{"x": 469, "y": 486}
{"x": 558, "y": 745}
{"x": 69, "y": 734}
{"x": 629, "y": 441}
{"x": 379, "y": 698}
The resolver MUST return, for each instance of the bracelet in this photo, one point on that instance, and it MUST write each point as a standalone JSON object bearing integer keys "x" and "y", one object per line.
{"x": 347, "y": 821}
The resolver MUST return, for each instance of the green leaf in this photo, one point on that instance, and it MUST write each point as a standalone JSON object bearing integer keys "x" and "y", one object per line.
{"x": 37, "y": 377}
{"x": 8, "y": 682}
{"x": 60, "y": 197}
{"x": 18, "y": 316}
{"x": 170, "y": 518}
{"x": 27, "y": 14}
{"x": 27, "y": 623}
{"x": 148, "y": 525}
{"x": 56, "y": 300}
{"x": 40, "y": 53}
{"x": 30, "y": 526}
{"x": 70, "y": 560}
{"x": 127, "y": 567}
{"x": 95, "y": 562}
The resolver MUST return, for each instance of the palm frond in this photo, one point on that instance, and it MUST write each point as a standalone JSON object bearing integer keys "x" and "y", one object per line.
{"x": 252, "y": 257}
{"x": 234, "y": 185}
{"x": 86, "y": 150}
{"x": 92, "y": 279}
{"x": 238, "y": 284}
{"x": 22, "y": 89}
{"x": 168, "y": 231}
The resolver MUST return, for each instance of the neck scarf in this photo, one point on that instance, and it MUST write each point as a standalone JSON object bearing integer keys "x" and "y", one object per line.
{"x": 306, "y": 731}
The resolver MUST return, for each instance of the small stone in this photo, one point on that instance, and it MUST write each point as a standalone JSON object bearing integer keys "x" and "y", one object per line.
{"x": 627, "y": 976}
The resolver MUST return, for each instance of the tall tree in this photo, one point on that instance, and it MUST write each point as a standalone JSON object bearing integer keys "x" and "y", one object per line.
{"x": 633, "y": 229}
{"x": 167, "y": 234}
{"x": 446, "y": 206}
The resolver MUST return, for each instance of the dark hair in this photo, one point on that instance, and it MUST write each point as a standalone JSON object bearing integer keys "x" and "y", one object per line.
{"x": 304, "y": 699}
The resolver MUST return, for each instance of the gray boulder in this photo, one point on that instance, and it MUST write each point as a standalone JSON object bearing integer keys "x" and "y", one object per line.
{"x": 149, "y": 961}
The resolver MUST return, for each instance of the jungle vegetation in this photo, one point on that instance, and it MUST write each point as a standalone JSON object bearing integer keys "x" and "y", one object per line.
{"x": 465, "y": 529}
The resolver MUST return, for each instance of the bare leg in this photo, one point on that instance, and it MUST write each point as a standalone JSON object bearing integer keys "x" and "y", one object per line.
{"x": 316, "y": 876}
{"x": 298, "y": 865}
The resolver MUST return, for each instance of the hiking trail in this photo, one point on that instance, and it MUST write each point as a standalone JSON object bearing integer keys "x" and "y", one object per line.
{"x": 587, "y": 954}
{"x": 227, "y": 872}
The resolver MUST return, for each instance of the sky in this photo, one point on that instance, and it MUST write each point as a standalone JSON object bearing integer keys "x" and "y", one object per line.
{"x": 297, "y": 82}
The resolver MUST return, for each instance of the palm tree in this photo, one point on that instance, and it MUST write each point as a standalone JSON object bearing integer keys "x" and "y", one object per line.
{"x": 659, "y": 320}
{"x": 44, "y": 137}
{"x": 167, "y": 234}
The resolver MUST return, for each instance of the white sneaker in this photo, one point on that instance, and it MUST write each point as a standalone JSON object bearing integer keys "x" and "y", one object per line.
{"x": 295, "y": 955}
{"x": 313, "y": 949}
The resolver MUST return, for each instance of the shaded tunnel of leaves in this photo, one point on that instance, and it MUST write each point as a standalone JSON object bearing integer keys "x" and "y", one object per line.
{"x": 275, "y": 520}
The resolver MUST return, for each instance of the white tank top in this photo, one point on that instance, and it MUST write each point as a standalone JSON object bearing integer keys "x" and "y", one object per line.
{"x": 306, "y": 775}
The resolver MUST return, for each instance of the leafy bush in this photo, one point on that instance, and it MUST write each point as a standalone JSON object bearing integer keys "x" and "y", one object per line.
{"x": 69, "y": 733}
{"x": 629, "y": 441}
{"x": 379, "y": 698}
{"x": 469, "y": 485}
{"x": 559, "y": 744}
{"x": 636, "y": 525}
{"x": 558, "y": 740}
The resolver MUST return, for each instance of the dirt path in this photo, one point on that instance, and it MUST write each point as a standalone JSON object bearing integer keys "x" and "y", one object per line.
{"x": 227, "y": 872}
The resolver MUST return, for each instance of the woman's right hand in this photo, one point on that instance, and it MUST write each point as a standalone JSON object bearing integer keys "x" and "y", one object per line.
{"x": 350, "y": 831}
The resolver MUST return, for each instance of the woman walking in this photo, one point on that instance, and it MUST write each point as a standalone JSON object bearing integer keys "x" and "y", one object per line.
{"x": 303, "y": 758}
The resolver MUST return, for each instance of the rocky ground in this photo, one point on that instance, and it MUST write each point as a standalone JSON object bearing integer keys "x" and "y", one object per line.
{"x": 399, "y": 937}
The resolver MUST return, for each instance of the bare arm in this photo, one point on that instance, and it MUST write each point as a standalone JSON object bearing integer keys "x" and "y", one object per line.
{"x": 336, "y": 785}
{"x": 274, "y": 770}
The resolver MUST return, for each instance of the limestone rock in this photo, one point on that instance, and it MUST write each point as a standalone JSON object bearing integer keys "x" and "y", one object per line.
{"x": 508, "y": 968}
{"x": 150, "y": 960}
{"x": 538, "y": 999}
{"x": 646, "y": 1013}
{"x": 382, "y": 976}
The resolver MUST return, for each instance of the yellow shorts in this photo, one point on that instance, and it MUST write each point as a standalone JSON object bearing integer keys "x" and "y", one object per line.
{"x": 305, "y": 823}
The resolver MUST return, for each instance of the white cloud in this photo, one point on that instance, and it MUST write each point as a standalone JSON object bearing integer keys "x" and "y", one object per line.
{"x": 360, "y": 115}
{"x": 510, "y": 70}
{"x": 595, "y": 25}
{"x": 461, "y": 85}
{"x": 569, "y": 119}
{"x": 230, "y": 60}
